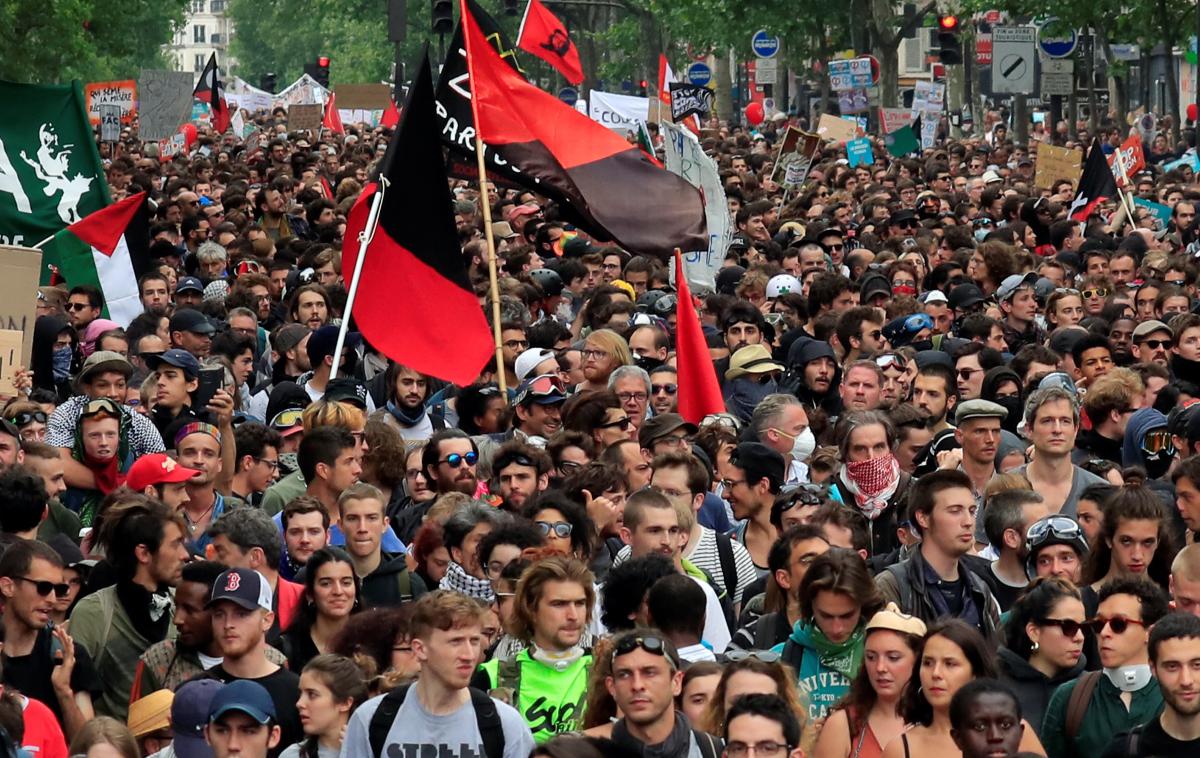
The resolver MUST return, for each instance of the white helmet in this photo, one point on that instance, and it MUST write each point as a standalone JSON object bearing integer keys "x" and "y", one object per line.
{"x": 782, "y": 284}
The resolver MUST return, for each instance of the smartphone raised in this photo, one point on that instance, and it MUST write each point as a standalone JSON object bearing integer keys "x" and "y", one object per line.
{"x": 211, "y": 380}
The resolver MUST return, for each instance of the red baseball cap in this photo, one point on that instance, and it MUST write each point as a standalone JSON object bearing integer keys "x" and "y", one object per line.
{"x": 157, "y": 468}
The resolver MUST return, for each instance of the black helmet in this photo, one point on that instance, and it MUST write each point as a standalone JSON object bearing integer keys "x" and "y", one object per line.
{"x": 550, "y": 282}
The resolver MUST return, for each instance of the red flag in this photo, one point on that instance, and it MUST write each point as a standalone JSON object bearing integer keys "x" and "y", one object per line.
{"x": 699, "y": 392}
{"x": 414, "y": 301}
{"x": 1130, "y": 154}
{"x": 1095, "y": 185}
{"x": 592, "y": 168}
{"x": 210, "y": 89}
{"x": 333, "y": 119}
{"x": 391, "y": 116}
{"x": 543, "y": 35}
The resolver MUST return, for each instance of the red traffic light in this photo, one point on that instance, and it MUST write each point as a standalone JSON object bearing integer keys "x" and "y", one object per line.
{"x": 948, "y": 23}
{"x": 323, "y": 60}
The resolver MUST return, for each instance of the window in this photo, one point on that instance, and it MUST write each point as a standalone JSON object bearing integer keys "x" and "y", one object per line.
{"x": 198, "y": 33}
{"x": 200, "y": 62}
{"x": 216, "y": 38}
{"x": 218, "y": 6}
{"x": 197, "y": 6}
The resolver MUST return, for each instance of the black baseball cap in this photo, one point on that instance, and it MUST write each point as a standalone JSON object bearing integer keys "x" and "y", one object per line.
{"x": 965, "y": 295}
{"x": 347, "y": 390}
{"x": 323, "y": 341}
{"x": 180, "y": 359}
{"x": 188, "y": 320}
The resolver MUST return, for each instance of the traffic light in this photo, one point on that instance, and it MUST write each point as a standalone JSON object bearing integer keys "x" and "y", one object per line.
{"x": 443, "y": 16}
{"x": 322, "y": 76}
{"x": 950, "y": 51}
{"x": 268, "y": 82}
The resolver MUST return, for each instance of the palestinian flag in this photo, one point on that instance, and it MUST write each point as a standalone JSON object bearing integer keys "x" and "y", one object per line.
{"x": 1095, "y": 186}
{"x": 543, "y": 35}
{"x": 602, "y": 177}
{"x": 109, "y": 249}
{"x": 414, "y": 302}
{"x": 210, "y": 89}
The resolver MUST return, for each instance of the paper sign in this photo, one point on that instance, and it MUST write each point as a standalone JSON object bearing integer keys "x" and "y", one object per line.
{"x": 1132, "y": 160}
{"x": 19, "y": 271}
{"x": 122, "y": 94}
{"x": 858, "y": 152}
{"x": 303, "y": 91}
{"x": 853, "y": 101}
{"x": 369, "y": 97}
{"x": 836, "y": 129}
{"x": 169, "y": 148}
{"x": 1161, "y": 212}
{"x": 10, "y": 358}
{"x": 850, "y": 74}
{"x": 620, "y": 113}
{"x": 685, "y": 157}
{"x": 165, "y": 102}
{"x": 1054, "y": 163}
{"x": 929, "y": 127}
{"x": 305, "y": 117}
{"x": 797, "y": 150}
{"x": 927, "y": 98}
{"x": 891, "y": 119}
{"x": 1189, "y": 160}
{"x": 110, "y": 123}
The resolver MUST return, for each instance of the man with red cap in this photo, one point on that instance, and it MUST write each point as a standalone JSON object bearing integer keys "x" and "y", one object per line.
{"x": 160, "y": 476}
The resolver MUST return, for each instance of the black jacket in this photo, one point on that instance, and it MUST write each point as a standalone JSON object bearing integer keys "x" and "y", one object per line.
{"x": 1033, "y": 688}
{"x": 882, "y": 530}
{"x": 384, "y": 587}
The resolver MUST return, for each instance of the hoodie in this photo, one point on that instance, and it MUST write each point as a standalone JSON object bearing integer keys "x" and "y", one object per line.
{"x": 824, "y": 669}
{"x": 45, "y": 333}
{"x": 383, "y": 587}
{"x": 800, "y": 354}
{"x": 1033, "y": 688}
{"x": 1133, "y": 453}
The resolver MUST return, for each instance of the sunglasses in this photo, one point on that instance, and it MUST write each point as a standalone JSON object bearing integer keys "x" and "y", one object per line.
{"x": 910, "y": 224}
{"x": 1117, "y": 623}
{"x": 1156, "y": 344}
{"x": 44, "y": 588}
{"x": 76, "y": 306}
{"x": 669, "y": 389}
{"x": 1069, "y": 627}
{"x": 650, "y": 643}
{"x": 454, "y": 460}
{"x": 1098, "y": 292}
{"x": 766, "y": 656}
{"x": 622, "y": 423}
{"x": 560, "y": 529}
{"x": 26, "y": 417}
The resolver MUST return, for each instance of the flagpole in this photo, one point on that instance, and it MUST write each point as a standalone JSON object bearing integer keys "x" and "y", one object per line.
{"x": 1120, "y": 161}
{"x": 493, "y": 279}
{"x": 364, "y": 240}
{"x": 524, "y": 18}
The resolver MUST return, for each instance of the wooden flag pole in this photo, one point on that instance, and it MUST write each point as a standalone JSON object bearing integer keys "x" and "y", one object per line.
{"x": 493, "y": 280}
{"x": 367, "y": 233}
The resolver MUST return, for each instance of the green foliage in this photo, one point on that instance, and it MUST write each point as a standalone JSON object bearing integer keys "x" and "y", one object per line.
{"x": 91, "y": 40}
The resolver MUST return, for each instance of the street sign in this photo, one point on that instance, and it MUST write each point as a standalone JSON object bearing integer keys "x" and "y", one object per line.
{"x": 1058, "y": 45}
{"x": 764, "y": 45}
{"x": 1014, "y": 53}
{"x": 854, "y": 73}
{"x": 1126, "y": 52}
{"x": 766, "y": 71}
{"x": 568, "y": 95}
{"x": 1058, "y": 77}
{"x": 699, "y": 74}
{"x": 983, "y": 49}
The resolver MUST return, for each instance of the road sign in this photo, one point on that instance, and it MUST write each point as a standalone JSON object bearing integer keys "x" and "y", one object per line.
{"x": 1014, "y": 53}
{"x": 568, "y": 95}
{"x": 1059, "y": 44}
{"x": 699, "y": 74}
{"x": 1058, "y": 77}
{"x": 766, "y": 71}
{"x": 983, "y": 48}
{"x": 764, "y": 45}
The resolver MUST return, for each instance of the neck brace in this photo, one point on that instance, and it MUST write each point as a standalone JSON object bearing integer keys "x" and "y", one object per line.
{"x": 1129, "y": 678}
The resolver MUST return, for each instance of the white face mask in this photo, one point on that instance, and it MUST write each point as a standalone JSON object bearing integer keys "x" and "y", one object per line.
{"x": 803, "y": 445}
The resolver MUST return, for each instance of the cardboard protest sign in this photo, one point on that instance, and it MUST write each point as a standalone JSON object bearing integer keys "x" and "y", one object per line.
{"x": 10, "y": 358}
{"x": 305, "y": 117}
{"x": 1054, "y": 163}
{"x": 891, "y": 119}
{"x": 239, "y": 94}
{"x": 684, "y": 157}
{"x": 122, "y": 94}
{"x": 20, "y": 268}
{"x": 858, "y": 152}
{"x": 835, "y": 129}
{"x": 370, "y": 97}
{"x": 164, "y": 103}
{"x": 797, "y": 150}
{"x": 110, "y": 123}
{"x": 1132, "y": 160}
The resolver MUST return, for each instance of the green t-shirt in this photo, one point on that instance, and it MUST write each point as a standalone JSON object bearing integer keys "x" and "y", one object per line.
{"x": 550, "y": 701}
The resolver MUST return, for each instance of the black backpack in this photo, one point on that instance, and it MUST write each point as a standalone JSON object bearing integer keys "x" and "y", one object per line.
{"x": 486, "y": 717}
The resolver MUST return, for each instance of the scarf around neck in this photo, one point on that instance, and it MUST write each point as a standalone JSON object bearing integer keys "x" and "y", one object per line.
{"x": 406, "y": 418}
{"x": 457, "y": 579}
{"x": 872, "y": 483}
{"x": 843, "y": 657}
{"x": 677, "y": 744}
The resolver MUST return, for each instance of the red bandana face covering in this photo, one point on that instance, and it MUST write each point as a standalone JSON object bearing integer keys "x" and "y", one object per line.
{"x": 903, "y": 289}
{"x": 874, "y": 481}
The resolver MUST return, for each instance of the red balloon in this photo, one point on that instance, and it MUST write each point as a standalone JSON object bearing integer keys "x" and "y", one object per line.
{"x": 754, "y": 114}
{"x": 1191, "y": 112}
{"x": 188, "y": 130}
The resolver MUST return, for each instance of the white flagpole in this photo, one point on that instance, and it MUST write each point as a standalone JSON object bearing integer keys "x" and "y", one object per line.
{"x": 524, "y": 17}
{"x": 364, "y": 240}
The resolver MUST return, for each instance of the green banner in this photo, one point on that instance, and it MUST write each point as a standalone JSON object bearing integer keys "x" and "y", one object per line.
{"x": 50, "y": 170}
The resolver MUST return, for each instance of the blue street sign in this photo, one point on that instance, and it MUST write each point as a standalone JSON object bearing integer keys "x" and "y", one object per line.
{"x": 764, "y": 45}
{"x": 699, "y": 74}
{"x": 1057, "y": 45}
{"x": 568, "y": 95}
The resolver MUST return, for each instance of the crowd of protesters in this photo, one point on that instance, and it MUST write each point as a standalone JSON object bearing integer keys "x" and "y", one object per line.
{"x": 948, "y": 506}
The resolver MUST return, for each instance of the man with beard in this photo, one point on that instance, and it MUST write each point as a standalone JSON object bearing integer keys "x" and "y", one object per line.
{"x": 522, "y": 471}
{"x": 664, "y": 390}
{"x": 449, "y": 461}
{"x": 935, "y": 394}
{"x": 199, "y": 447}
{"x": 752, "y": 477}
{"x": 743, "y": 325}
{"x": 817, "y": 372}
{"x": 1006, "y": 523}
{"x": 155, "y": 293}
{"x": 538, "y": 409}
{"x": 407, "y": 390}
{"x": 547, "y": 681}
{"x": 194, "y": 650}
{"x": 860, "y": 332}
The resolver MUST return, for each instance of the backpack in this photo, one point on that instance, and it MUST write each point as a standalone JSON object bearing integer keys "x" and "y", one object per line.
{"x": 728, "y": 564}
{"x": 1132, "y": 739}
{"x": 1078, "y": 703}
{"x": 404, "y": 584}
{"x": 487, "y": 717}
{"x": 792, "y": 655}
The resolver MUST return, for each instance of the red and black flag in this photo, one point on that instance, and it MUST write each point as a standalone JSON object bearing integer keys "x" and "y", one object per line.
{"x": 414, "y": 298}
{"x": 1095, "y": 186}
{"x": 603, "y": 178}
{"x": 210, "y": 89}
{"x": 543, "y": 35}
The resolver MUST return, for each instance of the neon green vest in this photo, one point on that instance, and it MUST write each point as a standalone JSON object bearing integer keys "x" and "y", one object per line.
{"x": 550, "y": 701}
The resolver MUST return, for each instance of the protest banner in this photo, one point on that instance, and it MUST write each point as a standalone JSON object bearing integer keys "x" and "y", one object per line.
{"x": 891, "y": 119}
{"x": 304, "y": 91}
{"x": 1054, "y": 163}
{"x": 164, "y": 103}
{"x": 1162, "y": 213}
{"x": 122, "y": 94}
{"x": 835, "y": 129}
{"x": 853, "y": 101}
{"x": 170, "y": 147}
{"x": 796, "y": 152}
{"x": 20, "y": 268}
{"x": 858, "y": 152}
{"x": 927, "y": 98}
{"x": 110, "y": 123}
{"x": 854, "y": 73}
{"x": 618, "y": 112}
{"x": 1132, "y": 160}
{"x": 305, "y": 117}
{"x": 239, "y": 94}
{"x": 369, "y": 97}
{"x": 684, "y": 157}
{"x": 1189, "y": 160}
{"x": 10, "y": 358}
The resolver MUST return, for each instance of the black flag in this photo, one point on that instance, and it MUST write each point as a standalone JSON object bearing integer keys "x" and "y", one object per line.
{"x": 688, "y": 100}
{"x": 1095, "y": 186}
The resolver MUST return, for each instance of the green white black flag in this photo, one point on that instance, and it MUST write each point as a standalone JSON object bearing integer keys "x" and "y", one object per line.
{"x": 50, "y": 170}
